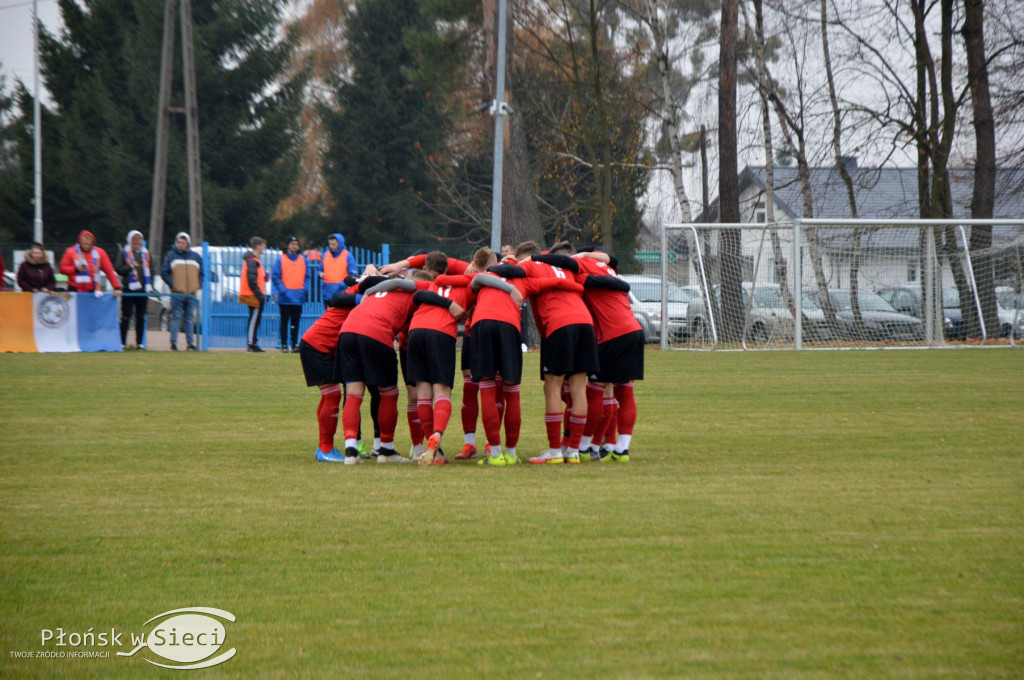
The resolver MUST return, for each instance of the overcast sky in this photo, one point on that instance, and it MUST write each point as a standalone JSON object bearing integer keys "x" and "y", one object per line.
{"x": 16, "y": 39}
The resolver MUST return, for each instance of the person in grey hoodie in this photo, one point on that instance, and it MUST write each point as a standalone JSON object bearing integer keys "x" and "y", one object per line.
{"x": 185, "y": 267}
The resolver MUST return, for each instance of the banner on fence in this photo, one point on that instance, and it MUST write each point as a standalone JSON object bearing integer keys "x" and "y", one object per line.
{"x": 59, "y": 322}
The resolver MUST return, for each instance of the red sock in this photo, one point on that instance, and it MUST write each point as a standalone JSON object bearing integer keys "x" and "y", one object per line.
{"x": 327, "y": 415}
{"x": 609, "y": 426}
{"x": 607, "y": 416}
{"x": 350, "y": 416}
{"x": 388, "y": 414}
{"x": 576, "y": 423}
{"x": 567, "y": 400}
{"x": 627, "y": 407}
{"x": 441, "y": 414}
{"x": 470, "y": 407}
{"x": 426, "y": 422}
{"x": 415, "y": 429}
{"x": 499, "y": 395}
{"x": 489, "y": 413}
{"x": 595, "y": 408}
{"x": 553, "y": 424}
{"x": 513, "y": 415}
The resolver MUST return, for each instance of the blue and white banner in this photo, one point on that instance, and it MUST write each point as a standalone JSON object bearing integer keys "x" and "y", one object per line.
{"x": 59, "y": 322}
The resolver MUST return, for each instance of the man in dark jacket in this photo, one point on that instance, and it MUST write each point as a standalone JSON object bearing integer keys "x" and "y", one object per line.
{"x": 182, "y": 271}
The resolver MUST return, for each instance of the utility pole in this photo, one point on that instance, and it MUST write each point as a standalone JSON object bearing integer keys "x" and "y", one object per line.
{"x": 164, "y": 110}
{"x": 499, "y": 110}
{"x": 37, "y": 134}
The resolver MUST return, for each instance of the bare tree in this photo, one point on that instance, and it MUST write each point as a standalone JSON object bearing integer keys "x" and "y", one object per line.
{"x": 728, "y": 177}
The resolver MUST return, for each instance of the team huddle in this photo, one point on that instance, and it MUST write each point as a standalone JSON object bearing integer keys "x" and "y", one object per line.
{"x": 592, "y": 350}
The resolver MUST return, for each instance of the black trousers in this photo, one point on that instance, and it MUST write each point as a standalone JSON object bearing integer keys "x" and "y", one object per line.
{"x": 290, "y": 316}
{"x": 138, "y": 306}
{"x": 253, "y": 331}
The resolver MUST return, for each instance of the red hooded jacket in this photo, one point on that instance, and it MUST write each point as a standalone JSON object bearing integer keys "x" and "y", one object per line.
{"x": 95, "y": 259}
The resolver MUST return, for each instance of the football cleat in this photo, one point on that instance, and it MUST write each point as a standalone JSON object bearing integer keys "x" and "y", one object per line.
{"x": 352, "y": 456}
{"x": 391, "y": 456}
{"x": 572, "y": 457}
{"x": 548, "y": 457}
{"x": 332, "y": 456}
{"x": 468, "y": 452}
{"x": 433, "y": 444}
{"x": 620, "y": 457}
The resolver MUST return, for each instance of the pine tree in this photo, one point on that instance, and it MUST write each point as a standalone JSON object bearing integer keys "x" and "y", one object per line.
{"x": 102, "y": 73}
{"x": 390, "y": 117}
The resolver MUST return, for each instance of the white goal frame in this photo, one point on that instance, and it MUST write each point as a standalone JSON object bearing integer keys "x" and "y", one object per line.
{"x": 931, "y": 272}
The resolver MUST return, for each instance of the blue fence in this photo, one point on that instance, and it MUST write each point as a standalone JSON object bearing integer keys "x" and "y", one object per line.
{"x": 224, "y": 318}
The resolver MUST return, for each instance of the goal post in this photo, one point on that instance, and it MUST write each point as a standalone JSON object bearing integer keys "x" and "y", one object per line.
{"x": 837, "y": 284}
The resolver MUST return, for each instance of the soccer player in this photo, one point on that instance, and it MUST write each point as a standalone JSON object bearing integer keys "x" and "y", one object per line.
{"x": 367, "y": 355}
{"x": 620, "y": 344}
{"x": 496, "y": 349}
{"x": 568, "y": 353}
{"x": 317, "y": 351}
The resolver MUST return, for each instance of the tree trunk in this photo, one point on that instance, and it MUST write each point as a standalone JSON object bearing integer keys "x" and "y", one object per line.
{"x": 983, "y": 199}
{"x": 728, "y": 178}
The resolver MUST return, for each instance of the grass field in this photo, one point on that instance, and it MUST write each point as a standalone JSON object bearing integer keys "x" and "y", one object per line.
{"x": 786, "y": 515}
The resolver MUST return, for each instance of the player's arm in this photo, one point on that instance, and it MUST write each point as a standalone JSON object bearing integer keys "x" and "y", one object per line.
{"x": 453, "y": 280}
{"x": 393, "y": 284}
{"x": 429, "y": 297}
{"x": 560, "y": 261}
{"x": 600, "y": 256}
{"x": 535, "y": 286}
{"x": 500, "y": 284}
{"x": 344, "y": 300}
{"x": 606, "y": 282}
{"x": 370, "y": 282}
{"x": 508, "y": 271}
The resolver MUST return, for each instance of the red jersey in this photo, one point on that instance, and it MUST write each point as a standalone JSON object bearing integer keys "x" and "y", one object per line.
{"x": 382, "y": 316}
{"x": 323, "y": 334}
{"x": 613, "y": 315}
{"x": 456, "y": 281}
{"x": 497, "y": 305}
{"x": 454, "y": 266}
{"x": 557, "y": 308}
{"x": 435, "y": 318}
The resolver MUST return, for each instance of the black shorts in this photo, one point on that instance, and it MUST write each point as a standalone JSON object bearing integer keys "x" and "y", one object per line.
{"x": 466, "y": 361}
{"x": 403, "y": 363}
{"x": 320, "y": 368}
{"x": 622, "y": 359}
{"x": 431, "y": 357}
{"x": 363, "y": 359}
{"x": 569, "y": 350}
{"x": 496, "y": 349}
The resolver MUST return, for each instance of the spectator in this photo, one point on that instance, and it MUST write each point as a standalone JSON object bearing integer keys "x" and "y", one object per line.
{"x": 136, "y": 276}
{"x": 182, "y": 271}
{"x": 290, "y": 275}
{"x": 253, "y": 290}
{"x": 82, "y": 264}
{"x": 337, "y": 264}
{"x": 35, "y": 275}
{"x": 313, "y": 257}
{"x": 507, "y": 251}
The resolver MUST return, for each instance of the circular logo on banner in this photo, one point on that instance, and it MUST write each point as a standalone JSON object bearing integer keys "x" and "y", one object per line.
{"x": 53, "y": 312}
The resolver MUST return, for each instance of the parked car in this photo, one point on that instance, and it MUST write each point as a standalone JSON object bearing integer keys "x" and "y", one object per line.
{"x": 907, "y": 300}
{"x": 768, "y": 318}
{"x": 1010, "y": 307}
{"x": 645, "y": 298}
{"x": 879, "y": 321}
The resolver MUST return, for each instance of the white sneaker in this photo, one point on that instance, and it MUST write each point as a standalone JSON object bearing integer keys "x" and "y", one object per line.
{"x": 393, "y": 457}
{"x": 548, "y": 457}
{"x": 353, "y": 460}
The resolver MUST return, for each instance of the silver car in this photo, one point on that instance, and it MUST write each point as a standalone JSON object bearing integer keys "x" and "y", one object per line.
{"x": 645, "y": 298}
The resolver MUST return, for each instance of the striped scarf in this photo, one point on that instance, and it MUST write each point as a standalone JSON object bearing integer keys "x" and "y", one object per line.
{"x": 90, "y": 273}
{"x": 133, "y": 278}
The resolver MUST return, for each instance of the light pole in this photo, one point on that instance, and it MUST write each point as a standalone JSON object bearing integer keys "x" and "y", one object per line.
{"x": 499, "y": 110}
{"x": 37, "y": 133}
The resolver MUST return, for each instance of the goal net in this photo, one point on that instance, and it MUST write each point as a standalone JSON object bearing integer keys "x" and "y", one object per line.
{"x": 862, "y": 284}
